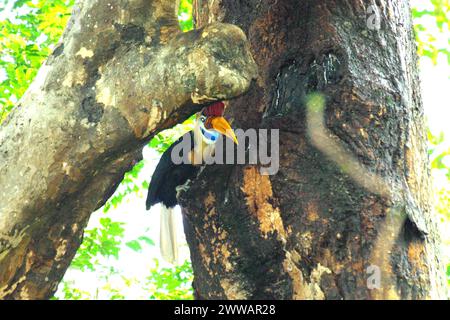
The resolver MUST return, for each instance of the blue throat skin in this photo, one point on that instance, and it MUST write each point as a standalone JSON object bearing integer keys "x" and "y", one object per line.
{"x": 211, "y": 136}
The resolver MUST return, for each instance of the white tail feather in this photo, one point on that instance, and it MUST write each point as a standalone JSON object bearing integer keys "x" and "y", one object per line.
{"x": 168, "y": 235}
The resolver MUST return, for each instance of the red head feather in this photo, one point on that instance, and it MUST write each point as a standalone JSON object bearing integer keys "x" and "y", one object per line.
{"x": 215, "y": 109}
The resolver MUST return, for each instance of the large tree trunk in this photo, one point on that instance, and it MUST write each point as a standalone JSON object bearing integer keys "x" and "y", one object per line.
{"x": 348, "y": 215}
{"x": 122, "y": 71}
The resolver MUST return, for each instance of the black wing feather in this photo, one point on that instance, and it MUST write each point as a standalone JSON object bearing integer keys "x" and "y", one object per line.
{"x": 168, "y": 176}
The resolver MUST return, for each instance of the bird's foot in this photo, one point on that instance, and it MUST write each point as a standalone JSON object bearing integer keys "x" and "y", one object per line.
{"x": 184, "y": 187}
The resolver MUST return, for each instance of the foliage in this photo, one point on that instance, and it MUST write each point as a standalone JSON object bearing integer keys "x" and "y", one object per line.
{"x": 439, "y": 156}
{"x": 440, "y": 166}
{"x": 71, "y": 292}
{"x": 171, "y": 283}
{"x": 26, "y": 39}
{"x": 432, "y": 43}
{"x": 104, "y": 240}
{"x": 428, "y": 40}
{"x": 185, "y": 15}
{"x": 162, "y": 283}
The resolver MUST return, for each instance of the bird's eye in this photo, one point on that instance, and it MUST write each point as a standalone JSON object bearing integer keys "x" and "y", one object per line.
{"x": 202, "y": 119}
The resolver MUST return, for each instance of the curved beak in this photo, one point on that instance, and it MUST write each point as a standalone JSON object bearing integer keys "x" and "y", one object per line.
{"x": 221, "y": 125}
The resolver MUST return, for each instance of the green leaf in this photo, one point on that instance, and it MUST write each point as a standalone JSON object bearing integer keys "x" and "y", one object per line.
{"x": 147, "y": 240}
{"x": 134, "y": 244}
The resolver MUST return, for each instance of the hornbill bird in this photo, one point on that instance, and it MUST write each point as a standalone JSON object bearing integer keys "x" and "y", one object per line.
{"x": 168, "y": 177}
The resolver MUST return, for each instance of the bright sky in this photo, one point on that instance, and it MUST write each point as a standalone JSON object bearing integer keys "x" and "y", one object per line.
{"x": 436, "y": 79}
{"x": 436, "y": 95}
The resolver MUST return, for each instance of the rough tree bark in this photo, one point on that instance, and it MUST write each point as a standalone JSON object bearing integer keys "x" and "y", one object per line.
{"x": 316, "y": 229}
{"x": 122, "y": 72}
